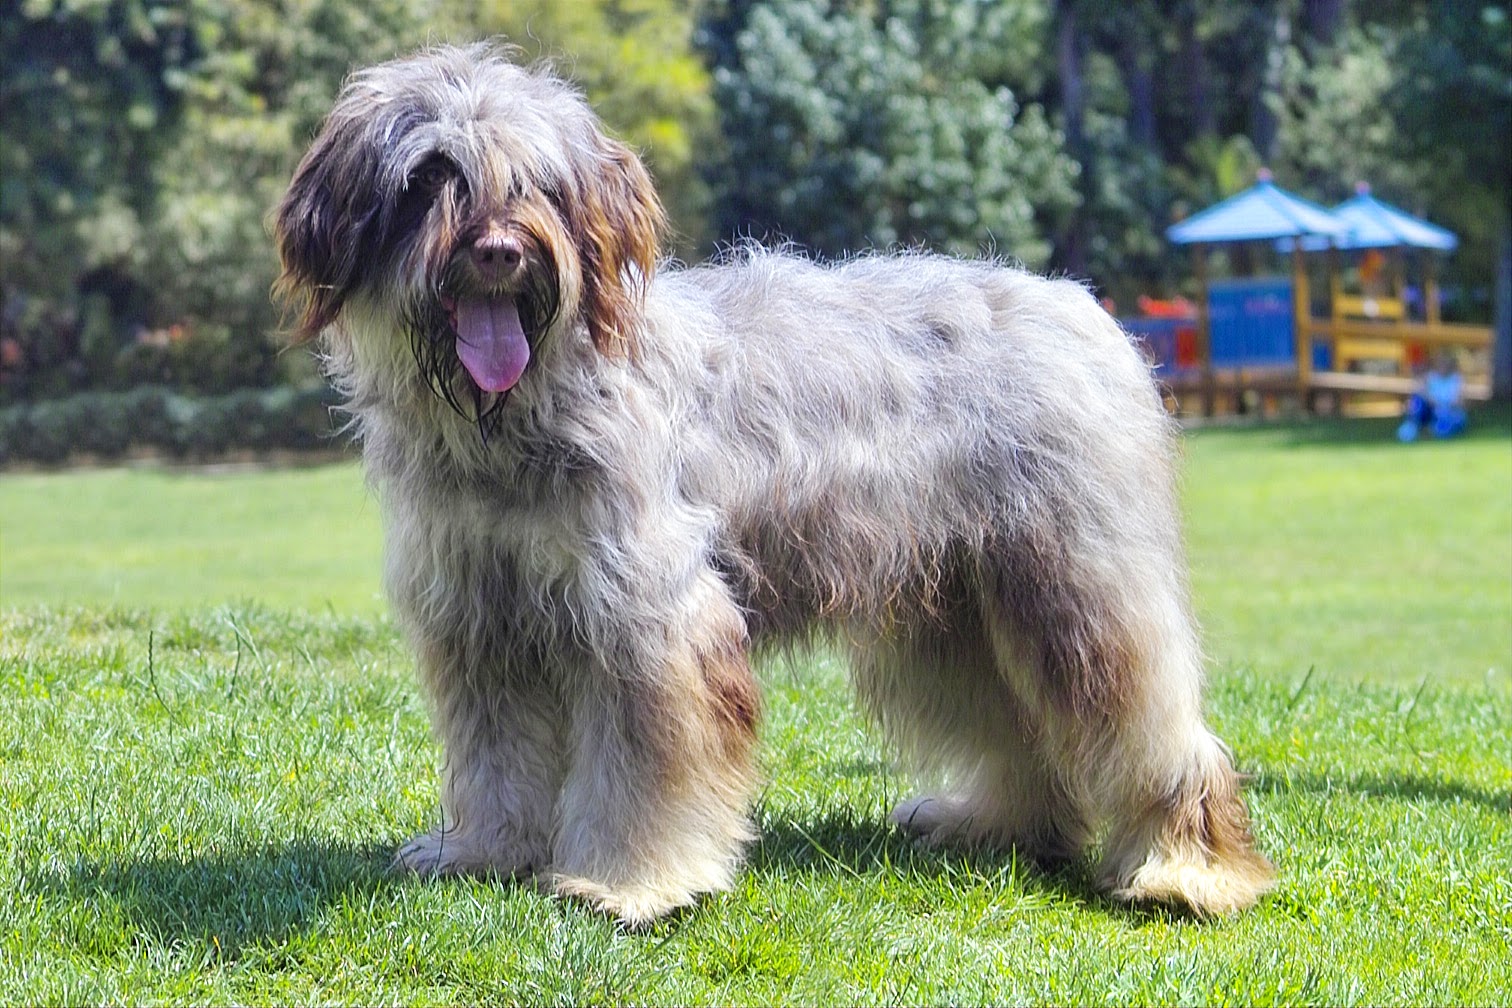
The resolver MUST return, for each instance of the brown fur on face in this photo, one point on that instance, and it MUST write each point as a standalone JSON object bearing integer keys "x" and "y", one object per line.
{"x": 618, "y": 219}
{"x": 348, "y": 217}
{"x": 959, "y": 471}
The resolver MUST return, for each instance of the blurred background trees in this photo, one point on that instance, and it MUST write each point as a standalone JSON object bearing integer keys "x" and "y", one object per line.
{"x": 142, "y": 143}
{"x": 854, "y": 126}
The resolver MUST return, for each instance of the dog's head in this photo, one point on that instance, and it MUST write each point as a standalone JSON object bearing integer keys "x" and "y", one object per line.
{"x": 477, "y": 204}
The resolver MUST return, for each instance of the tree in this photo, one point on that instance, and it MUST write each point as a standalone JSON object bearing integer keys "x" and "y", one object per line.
{"x": 143, "y": 142}
{"x": 1336, "y": 127}
{"x": 853, "y": 126}
{"x": 1104, "y": 88}
{"x": 1415, "y": 98}
{"x": 89, "y": 93}
{"x": 1452, "y": 100}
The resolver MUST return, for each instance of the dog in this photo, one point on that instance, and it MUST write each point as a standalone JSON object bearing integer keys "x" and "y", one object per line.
{"x": 607, "y": 482}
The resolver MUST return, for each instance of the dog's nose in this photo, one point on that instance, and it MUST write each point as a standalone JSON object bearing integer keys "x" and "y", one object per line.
{"x": 497, "y": 256}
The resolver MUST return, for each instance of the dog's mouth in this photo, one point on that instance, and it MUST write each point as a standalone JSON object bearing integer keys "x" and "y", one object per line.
{"x": 475, "y": 342}
{"x": 491, "y": 342}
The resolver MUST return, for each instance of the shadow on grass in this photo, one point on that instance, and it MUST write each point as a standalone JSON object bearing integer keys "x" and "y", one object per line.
{"x": 229, "y": 901}
{"x": 1406, "y": 788}
{"x": 838, "y": 842}
{"x": 260, "y": 897}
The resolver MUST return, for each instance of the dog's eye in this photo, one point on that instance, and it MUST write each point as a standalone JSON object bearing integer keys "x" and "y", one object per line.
{"x": 432, "y": 175}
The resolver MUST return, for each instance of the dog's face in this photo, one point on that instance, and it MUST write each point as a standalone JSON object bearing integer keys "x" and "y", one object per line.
{"x": 477, "y": 206}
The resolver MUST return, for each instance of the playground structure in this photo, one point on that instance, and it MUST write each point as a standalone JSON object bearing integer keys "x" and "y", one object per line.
{"x": 1353, "y": 341}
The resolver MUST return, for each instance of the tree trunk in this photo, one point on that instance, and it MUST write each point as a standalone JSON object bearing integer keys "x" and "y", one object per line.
{"x": 1323, "y": 19}
{"x": 1195, "y": 73}
{"x": 1265, "y": 128}
{"x": 1501, "y": 345}
{"x": 1073, "y": 250}
{"x": 1134, "y": 64}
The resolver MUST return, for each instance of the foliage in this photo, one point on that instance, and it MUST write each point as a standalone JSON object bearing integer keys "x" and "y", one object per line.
{"x": 857, "y": 126}
{"x": 167, "y": 201}
{"x": 1458, "y": 57}
{"x": 1125, "y": 194}
{"x": 1452, "y": 99}
{"x": 105, "y": 425}
{"x": 142, "y": 142}
{"x": 92, "y": 92}
{"x": 1337, "y": 128}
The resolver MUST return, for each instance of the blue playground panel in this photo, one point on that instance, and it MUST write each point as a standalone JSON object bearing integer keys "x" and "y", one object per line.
{"x": 1251, "y": 323}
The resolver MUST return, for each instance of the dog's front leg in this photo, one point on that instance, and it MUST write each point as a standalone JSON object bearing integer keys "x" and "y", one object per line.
{"x": 654, "y": 810}
{"x": 501, "y": 743}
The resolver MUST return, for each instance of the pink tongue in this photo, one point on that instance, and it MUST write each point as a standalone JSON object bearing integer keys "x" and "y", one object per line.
{"x": 491, "y": 342}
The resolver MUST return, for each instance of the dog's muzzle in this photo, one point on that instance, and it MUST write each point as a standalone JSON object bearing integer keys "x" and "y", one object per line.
{"x": 491, "y": 340}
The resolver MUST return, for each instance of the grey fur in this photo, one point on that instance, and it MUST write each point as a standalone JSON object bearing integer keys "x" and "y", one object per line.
{"x": 961, "y": 470}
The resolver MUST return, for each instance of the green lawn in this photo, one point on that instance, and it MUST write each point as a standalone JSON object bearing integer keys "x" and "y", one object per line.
{"x": 165, "y": 539}
{"x": 212, "y": 741}
{"x": 1331, "y": 545}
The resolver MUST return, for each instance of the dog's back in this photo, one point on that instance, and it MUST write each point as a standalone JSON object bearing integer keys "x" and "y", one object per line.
{"x": 861, "y": 427}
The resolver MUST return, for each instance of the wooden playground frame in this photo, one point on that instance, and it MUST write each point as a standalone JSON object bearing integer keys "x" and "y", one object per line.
{"x": 1375, "y": 350}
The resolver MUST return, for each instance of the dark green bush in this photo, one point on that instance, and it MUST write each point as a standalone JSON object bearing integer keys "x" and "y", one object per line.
{"x": 247, "y": 419}
{"x": 108, "y": 424}
{"x": 147, "y": 411}
{"x": 46, "y": 432}
{"x": 102, "y": 425}
{"x": 207, "y": 360}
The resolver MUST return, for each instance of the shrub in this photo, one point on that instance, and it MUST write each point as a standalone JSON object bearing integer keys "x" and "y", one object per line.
{"x": 45, "y": 431}
{"x": 146, "y": 409}
{"x": 108, "y": 424}
{"x": 101, "y": 425}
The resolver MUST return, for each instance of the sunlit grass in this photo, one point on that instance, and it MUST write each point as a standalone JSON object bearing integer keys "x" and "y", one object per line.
{"x": 1329, "y": 544}
{"x": 162, "y": 538}
{"x": 213, "y": 741}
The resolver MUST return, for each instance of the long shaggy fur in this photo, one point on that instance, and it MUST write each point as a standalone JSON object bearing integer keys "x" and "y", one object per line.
{"x": 960, "y": 470}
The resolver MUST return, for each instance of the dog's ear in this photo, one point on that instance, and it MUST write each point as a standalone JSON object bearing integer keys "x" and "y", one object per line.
{"x": 618, "y": 221}
{"x": 321, "y": 227}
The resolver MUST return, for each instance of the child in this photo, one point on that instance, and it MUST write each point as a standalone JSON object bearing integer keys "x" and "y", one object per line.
{"x": 1440, "y": 404}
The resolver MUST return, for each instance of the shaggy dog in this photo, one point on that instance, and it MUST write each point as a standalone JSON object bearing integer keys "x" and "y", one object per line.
{"x": 604, "y": 483}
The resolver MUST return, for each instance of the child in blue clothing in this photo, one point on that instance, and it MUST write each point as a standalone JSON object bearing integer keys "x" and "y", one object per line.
{"x": 1440, "y": 406}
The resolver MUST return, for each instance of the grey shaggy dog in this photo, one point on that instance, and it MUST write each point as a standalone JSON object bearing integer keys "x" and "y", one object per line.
{"x": 605, "y": 482}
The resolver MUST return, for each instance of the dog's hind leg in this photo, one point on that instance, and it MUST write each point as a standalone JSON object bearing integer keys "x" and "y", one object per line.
{"x": 936, "y": 692}
{"x": 654, "y": 810}
{"x": 1101, "y": 645}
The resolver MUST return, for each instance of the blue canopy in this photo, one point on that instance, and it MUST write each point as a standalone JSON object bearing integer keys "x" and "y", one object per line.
{"x": 1375, "y": 224}
{"x": 1260, "y": 213}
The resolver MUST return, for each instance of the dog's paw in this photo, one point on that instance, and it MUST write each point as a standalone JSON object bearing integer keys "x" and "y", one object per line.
{"x": 443, "y": 852}
{"x": 1208, "y": 886}
{"x": 635, "y": 906}
{"x": 930, "y": 819}
{"x": 428, "y": 854}
{"x": 937, "y": 820}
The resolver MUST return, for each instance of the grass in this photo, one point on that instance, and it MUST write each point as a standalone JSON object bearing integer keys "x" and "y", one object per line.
{"x": 166, "y": 539}
{"x": 200, "y": 793}
{"x": 1331, "y": 545}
